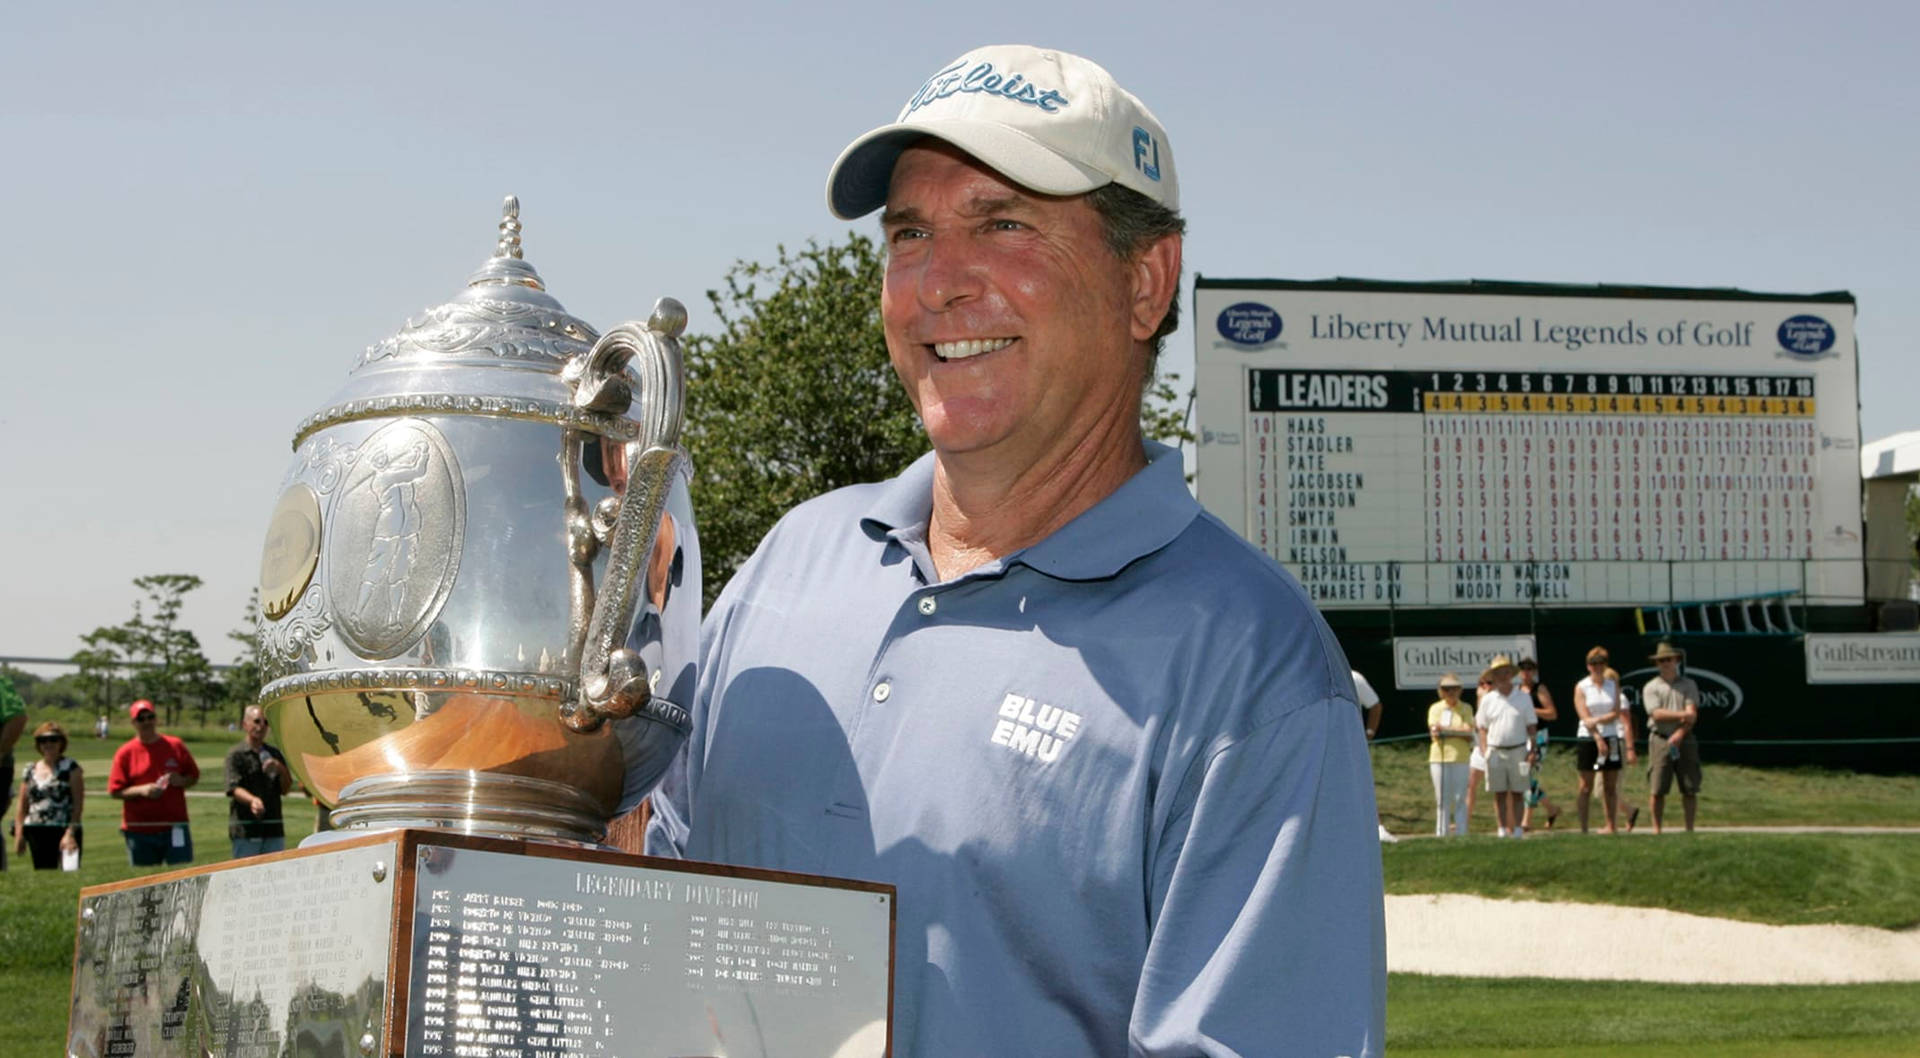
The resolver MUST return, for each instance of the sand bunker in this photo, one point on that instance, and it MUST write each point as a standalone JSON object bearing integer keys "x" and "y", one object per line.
{"x": 1473, "y": 936}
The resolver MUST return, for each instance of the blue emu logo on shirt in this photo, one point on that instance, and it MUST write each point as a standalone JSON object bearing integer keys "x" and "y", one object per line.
{"x": 1031, "y": 728}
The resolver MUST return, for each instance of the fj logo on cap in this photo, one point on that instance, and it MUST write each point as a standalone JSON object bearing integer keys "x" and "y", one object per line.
{"x": 982, "y": 78}
{"x": 1146, "y": 153}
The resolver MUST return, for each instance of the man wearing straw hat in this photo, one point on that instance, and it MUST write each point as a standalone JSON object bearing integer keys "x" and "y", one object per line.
{"x": 1672, "y": 702}
{"x": 1504, "y": 725}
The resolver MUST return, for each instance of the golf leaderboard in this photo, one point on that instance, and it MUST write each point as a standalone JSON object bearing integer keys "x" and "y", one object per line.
{"x": 1438, "y": 444}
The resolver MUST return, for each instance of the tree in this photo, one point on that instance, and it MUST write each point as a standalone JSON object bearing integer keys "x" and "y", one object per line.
{"x": 102, "y": 660}
{"x": 1913, "y": 528}
{"x": 164, "y": 662}
{"x": 795, "y": 396}
{"x": 240, "y": 686}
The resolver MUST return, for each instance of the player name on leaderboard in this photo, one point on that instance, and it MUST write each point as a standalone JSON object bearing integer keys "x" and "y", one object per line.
{"x": 1592, "y": 467}
{"x": 1494, "y": 482}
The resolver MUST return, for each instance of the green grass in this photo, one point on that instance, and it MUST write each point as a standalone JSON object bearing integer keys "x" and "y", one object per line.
{"x": 1730, "y": 795}
{"x": 37, "y": 908}
{"x": 1863, "y": 879}
{"x": 1784, "y": 879}
{"x": 1820, "y": 1047}
{"x": 1489, "y": 1015}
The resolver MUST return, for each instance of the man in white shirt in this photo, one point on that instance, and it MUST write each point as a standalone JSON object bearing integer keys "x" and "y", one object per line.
{"x": 1370, "y": 711}
{"x": 1504, "y": 725}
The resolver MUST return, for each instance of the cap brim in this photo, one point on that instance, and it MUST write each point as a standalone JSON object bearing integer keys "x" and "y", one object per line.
{"x": 859, "y": 180}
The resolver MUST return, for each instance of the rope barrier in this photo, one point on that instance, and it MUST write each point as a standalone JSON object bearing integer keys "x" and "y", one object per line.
{"x": 1897, "y": 741}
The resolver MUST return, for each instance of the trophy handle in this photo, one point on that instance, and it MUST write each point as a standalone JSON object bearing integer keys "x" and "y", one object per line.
{"x": 613, "y": 679}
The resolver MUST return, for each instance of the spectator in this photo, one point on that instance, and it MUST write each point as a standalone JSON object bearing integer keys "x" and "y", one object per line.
{"x": 149, "y": 777}
{"x": 1603, "y": 738}
{"x": 13, "y": 721}
{"x": 1672, "y": 702}
{"x": 1476, "y": 760}
{"x": 1505, "y": 726}
{"x": 257, "y": 777}
{"x": 1370, "y": 707}
{"x": 51, "y": 796}
{"x": 100, "y": 727}
{"x": 1450, "y": 727}
{"x": 1544, "y": 711}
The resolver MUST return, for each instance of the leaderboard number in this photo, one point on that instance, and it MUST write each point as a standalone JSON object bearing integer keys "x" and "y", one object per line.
{"x": 1630, "y": 384}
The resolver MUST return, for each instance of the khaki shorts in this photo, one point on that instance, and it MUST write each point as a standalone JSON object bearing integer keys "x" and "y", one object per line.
{"x": 1664, "y": 767}
{"x": 1506, "y": 769}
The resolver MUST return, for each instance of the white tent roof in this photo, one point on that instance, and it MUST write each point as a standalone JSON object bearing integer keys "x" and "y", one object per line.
{"x": 1895, "y": 456}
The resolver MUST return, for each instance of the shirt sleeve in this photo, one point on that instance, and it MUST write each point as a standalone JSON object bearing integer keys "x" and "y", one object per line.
{"x": 233, "y": 771}
{"x": 11, "y": 704}
{"x": 1268, "y": 929}
{"x": 189, "y": 768}
{"x": 1363, "y": 692}
{"x": 117, "y": 777}
{"x": 671, "y": 803}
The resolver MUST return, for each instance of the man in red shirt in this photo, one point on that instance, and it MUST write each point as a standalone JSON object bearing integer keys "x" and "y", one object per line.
{"x": 149, "y": 778}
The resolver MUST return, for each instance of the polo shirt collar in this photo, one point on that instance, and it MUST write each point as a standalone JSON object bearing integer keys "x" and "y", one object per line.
{"x": 1142, "y": 516}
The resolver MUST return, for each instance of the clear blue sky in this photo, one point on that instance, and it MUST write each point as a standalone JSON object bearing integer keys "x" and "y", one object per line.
{"x": 209, "y": 213}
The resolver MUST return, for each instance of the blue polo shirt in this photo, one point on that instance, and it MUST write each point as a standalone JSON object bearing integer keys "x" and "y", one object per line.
{"x": 1118, "y": 777}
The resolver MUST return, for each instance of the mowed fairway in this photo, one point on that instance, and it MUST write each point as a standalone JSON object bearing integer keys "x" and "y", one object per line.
{"x": 1497, "y": 1016}
{"x": 1871, "y": 880}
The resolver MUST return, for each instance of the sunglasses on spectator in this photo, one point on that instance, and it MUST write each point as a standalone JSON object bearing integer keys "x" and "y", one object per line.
{"x": 44, "y": 739}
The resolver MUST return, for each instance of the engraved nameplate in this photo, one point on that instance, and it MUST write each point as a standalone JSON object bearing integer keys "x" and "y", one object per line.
{"x": 252, "y": 960}
{"x": 538, "y": 957}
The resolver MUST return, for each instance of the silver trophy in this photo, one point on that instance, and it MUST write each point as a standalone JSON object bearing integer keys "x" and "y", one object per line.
{"x": 480, "y": 591}
{"x": 480, "y": 597}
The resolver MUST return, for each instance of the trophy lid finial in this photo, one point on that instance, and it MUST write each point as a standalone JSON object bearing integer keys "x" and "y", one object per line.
{"x": 508, "y": 267}
{"x": 509, "y": 228}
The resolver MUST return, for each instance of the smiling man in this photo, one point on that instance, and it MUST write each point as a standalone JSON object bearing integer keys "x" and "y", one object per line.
{"x": 1108, "y": 752}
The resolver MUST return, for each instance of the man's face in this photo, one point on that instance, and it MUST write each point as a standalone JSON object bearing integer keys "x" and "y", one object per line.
{"x": 1503, "y": 680}
{"x": 1012, "y": 325}
{"x": 256, "y": 726}
{"x": 1669, "y": 667}
{"x": 145, "y": 725}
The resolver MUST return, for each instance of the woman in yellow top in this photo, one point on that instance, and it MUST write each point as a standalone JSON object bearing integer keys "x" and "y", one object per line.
{"x": 1450, "y": 726}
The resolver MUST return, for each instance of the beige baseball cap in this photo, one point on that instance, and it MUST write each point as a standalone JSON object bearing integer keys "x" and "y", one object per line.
{"x": 1047, "y": 120}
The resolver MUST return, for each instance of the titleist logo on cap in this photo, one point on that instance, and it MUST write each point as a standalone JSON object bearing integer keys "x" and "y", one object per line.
{"x": 983, "y": 78}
